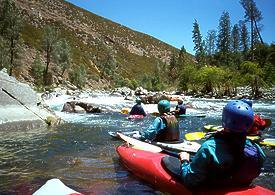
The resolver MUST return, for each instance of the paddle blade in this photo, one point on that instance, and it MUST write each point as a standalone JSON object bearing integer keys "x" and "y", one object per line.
{"x": 140, "y": 144}
{"x": 268, "y": 142}
{"x": 194, "y": 136}
{"x": 125, "y": 111}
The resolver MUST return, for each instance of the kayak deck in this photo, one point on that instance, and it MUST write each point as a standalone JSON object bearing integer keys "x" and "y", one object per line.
{"x": 147, "y": 166}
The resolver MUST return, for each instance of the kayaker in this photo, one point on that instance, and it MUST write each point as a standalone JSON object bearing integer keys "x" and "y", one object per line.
{"x": 180, "y": 108}
{"x": 225, "y": 159}
{"x": 259, "y": 124}
{"x": 137, "y": 109}
{"x": 164, "y": 128}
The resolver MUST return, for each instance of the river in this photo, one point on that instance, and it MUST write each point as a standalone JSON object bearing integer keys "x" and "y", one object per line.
{"x": 82, "y": 154}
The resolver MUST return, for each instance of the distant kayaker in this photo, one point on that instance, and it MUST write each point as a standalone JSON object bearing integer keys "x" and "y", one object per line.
{"x": 225, "y": 159}
{"x": 259, "y": 124}
{"x": 181, "y": 107}
{"x": 137, "y": 109}
{"x": 164, "y": 128}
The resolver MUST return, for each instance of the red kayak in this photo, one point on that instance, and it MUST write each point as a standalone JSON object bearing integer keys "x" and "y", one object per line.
{"x": 135, "y": 116}
{"x": 147, "y": 166}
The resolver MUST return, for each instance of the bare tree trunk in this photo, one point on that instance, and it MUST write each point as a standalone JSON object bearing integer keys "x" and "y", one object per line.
{"x": 258, "y": 32}
{"x": 12, "y": 55}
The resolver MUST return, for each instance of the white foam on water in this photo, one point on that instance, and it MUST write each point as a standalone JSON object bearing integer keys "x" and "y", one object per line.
{"x": 210, "y": 107}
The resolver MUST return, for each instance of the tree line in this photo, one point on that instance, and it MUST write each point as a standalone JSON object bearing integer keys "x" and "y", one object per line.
{"x": 228, "y": 57}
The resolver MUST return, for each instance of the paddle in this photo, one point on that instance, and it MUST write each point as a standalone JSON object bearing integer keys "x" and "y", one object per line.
{"x": 178, "y": 146}
{"x": 194, "y": 136}
{"x": 200, "y": 135}
{"x": 145, "y": 146}
{"x": 268, "y": 142}
{"x": 115, "y": 135}
{"x": 125, "y": 111}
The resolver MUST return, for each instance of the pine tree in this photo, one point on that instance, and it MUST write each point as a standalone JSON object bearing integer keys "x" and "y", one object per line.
{"x": 210, "y": 42}
{"x": 50, "y": 38}
{"x": 10, "y": 28}
{"x": 244, "y": 38}
{"x": 172, "y": 74}
{"x": 62, "y": 54}
{"x": 223, "y": 44}
{"x": 182, "y": 58}
{"x": 224, "y": 38}
{"x": 78, "y": 76}
{"x": 252, "y": 15}
{"x": 235, "y": 39}
{"x": 3, "y": 53}
{"x": 198, "y": 43}
{"x": 37, "y": 70}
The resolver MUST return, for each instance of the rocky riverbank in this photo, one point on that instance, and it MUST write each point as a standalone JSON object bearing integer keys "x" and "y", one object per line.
{"x": 21, "y": 107}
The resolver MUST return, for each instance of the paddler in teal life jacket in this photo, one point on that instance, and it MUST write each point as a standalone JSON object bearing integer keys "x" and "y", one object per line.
{"x": 137, "y": 109}
{"x": 164, "y": 128}
{"x": 225, "y": 159}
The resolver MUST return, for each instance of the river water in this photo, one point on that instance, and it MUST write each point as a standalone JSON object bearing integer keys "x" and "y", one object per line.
{"x": 82, "y": 154}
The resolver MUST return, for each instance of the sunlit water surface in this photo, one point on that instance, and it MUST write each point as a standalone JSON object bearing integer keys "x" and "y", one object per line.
{"x": 82, "y": 154}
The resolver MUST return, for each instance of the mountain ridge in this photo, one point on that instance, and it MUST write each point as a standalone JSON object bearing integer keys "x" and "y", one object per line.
{"x": 91, "y": 35}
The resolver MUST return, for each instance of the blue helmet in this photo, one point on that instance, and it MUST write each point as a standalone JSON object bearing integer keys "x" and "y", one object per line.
{"x": 164, "y": 106}
{"x": 249, "y": 102}
{"x": 237, "y": 116}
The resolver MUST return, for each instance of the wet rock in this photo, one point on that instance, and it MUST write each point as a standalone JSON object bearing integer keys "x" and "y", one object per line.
{"x": 154, "y": 98}
{"x": 77, "y": 107}
{"x": 20, "y": 106}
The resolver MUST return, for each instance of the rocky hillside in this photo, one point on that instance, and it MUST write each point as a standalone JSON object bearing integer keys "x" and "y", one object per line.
{"x": 91, "y": 38}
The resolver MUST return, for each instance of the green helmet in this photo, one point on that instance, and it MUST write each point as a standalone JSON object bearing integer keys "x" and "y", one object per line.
{"x": 138, "y": 100}
{"x": 164, "y": 106}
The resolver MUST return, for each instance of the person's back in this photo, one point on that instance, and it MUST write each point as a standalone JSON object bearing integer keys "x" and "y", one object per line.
{"x": 230, "y": 160}
{"x": 181, "y": 109}
{"x": 227, "y": 158}
{"x": 164, "y": 128}
{"x": 137, "y": 109}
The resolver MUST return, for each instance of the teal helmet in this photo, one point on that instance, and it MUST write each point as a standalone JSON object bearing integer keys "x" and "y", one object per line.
{"x": 138, "y": 100}
{"x": 164, "y": 106}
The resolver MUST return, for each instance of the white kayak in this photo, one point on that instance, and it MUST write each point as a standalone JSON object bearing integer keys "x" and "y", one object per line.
{"x": 55, "y": 187}
{"x": 184, "y": 146}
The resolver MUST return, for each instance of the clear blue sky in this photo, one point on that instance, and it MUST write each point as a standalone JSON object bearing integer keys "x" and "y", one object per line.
{"x": 172, "y": 21}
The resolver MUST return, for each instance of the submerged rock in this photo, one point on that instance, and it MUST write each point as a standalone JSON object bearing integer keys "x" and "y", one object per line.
{"x": 21, "y": 107}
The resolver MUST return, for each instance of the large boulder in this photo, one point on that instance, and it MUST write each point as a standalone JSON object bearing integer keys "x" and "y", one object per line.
{"x": 21, "y": 107}
{"x": 77, "y": 107}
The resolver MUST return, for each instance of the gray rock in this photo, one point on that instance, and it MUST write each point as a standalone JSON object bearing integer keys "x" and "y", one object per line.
{"x": 20, "y": 106}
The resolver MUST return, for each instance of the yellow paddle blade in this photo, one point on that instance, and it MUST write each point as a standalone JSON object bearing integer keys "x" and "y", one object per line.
{"x": 194, "y": 136}
{"x": 212, "y": 128}
{"x": 268, "y": 142}
{"x": 125, "y": 110}
{"x": 253, "y": 137}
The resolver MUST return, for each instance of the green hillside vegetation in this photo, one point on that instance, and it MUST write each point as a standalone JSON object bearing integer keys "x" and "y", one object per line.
{"x": 49, "y": 42}
{"x": 107, "y": 50}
